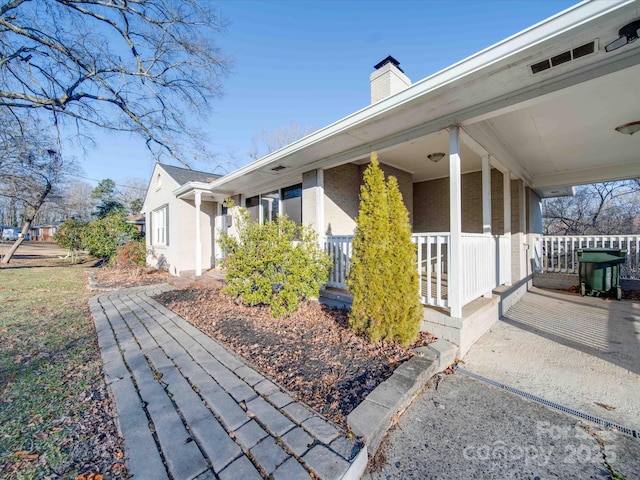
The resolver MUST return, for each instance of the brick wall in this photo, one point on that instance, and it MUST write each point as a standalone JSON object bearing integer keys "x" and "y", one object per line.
{"x": 405, "y": 182}
{"x": 309, "y": 210}
{"x": 341, "y": 198}
{"x": 431, "y": 204}
{"x": 342, "y": 195}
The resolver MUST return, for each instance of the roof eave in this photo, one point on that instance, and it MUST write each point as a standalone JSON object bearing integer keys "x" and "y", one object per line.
{"x": 468, "y": 69}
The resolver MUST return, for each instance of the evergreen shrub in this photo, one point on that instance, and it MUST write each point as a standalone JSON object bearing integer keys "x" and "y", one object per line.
{"x": 278, "y": 263}
{"x": 383, "y": 277}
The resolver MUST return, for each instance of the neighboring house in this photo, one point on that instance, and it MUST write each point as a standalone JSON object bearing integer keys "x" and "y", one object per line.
{"x": 43, "y": 233}
{"x": 170, "y": 222}
{"x": 138, "y": 220}
{"x": 474, "y": 147}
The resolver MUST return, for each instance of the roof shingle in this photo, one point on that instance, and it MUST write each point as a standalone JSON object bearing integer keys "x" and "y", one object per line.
{"x": 184, "y": 175}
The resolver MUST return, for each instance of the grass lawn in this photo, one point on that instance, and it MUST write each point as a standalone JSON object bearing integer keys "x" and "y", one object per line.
{"x": 55, "y": 415}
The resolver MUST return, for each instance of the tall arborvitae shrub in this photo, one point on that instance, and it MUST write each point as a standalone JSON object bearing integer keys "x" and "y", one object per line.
{"x": 367, "y": 280}
{"x": 405, "y": 310}
{"x": 382, "y": 276}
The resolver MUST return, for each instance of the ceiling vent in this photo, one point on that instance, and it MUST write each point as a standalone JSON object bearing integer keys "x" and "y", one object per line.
{"x": 278, "y": 168}
{"x": 565, "y": 57}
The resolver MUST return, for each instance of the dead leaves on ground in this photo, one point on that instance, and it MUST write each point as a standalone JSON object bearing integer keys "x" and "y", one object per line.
{"x": 312, "y": 352}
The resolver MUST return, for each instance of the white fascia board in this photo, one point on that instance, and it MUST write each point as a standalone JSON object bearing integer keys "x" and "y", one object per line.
{"x": 580, "y": 14}
{"x": 191, "y": 187}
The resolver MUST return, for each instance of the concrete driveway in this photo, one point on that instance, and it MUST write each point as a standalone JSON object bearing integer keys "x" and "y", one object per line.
{"x": 467, "y": 429}
{"x": 581, "y": 352}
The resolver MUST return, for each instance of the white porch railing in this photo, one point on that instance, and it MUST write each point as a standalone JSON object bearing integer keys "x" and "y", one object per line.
{"x": 485, "y": 264}
{"x": 503, "y": 254}
{"x": 557, "y": 253}
{"x": 433, "y": 264}
{"x": 339, "y": 247}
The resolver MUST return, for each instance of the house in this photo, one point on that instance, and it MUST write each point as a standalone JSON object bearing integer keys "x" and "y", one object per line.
{"x": 138, "y": 220}
{"x": 43, "y": 233}
{"x": 475, "y": 147}
{"x": 175, "y": 238}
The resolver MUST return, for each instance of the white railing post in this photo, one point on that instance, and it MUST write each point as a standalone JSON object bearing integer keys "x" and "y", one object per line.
{"x": 486, "y": 222}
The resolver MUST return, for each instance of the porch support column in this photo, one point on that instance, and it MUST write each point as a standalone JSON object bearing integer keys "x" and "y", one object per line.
{"x": 198, "y": 246}
{"x": 486, "y": 220}
{"x": 486, "y": 195}
{"x": 320, "y": 205}
{"x": 506, "y": 184}
{"x": 523, "y": 247}
{"x": 455, "y": 224}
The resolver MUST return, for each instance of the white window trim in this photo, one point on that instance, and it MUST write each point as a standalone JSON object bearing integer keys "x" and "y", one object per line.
{"x": 160, "y": 234}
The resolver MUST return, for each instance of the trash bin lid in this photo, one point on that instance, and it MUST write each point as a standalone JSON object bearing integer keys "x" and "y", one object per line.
{"x": 601, "y": 255}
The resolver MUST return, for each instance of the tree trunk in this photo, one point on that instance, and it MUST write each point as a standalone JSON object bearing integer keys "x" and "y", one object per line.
{"x": 27, "y": 224}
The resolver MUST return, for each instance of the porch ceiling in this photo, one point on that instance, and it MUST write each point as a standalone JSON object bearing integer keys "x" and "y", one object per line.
{"x": 560, "y": 139}
{"x": 568, "y": 137}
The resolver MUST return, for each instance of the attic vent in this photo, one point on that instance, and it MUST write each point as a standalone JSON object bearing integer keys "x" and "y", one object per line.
{"x": 564, "y": 57}
{"x": 278, "y": 168}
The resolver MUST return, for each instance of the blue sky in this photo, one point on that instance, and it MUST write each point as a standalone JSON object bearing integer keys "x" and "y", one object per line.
{"x": 308, "y": 63}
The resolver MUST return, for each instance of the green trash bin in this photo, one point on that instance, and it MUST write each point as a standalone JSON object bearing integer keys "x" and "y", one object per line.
{"x": 600, "y": 270}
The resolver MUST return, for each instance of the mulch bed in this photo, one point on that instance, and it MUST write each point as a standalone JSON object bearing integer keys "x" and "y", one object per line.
{"x": 112, "y": 277}
{"x": 312, "y": 353}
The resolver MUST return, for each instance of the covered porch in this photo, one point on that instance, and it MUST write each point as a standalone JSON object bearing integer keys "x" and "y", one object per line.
{"x": 529, "y": 117}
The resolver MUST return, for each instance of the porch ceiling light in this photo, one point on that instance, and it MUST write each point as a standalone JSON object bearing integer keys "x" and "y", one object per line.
{"x": 435, "y": 157}
{"x": 627, "y": 34}
{"x": 629, "y": 128}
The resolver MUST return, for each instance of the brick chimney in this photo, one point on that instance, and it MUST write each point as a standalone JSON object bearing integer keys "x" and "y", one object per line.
{"x": 387, "y": 79}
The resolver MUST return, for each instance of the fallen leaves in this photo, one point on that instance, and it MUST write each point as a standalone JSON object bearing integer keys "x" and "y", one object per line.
{"x": 25, "y": 455}
{"x": 90, "y": 476}
{"x": 311, "y": 353}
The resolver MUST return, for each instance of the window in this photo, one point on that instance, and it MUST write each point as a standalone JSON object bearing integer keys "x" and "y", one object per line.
{"x": 270, "y": 206}
{"x": 292, "y": 203}
{"x": 253, "y": 207}
{"x": 267, "y": 206}
{"x": 160, "y": 222}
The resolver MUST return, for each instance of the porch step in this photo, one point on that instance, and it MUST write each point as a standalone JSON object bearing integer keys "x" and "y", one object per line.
{"x": 335, "y": 297}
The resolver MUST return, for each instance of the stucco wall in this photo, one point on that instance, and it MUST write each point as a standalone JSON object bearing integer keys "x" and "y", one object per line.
{"x": 187, "y": 228}
{"x": 179, "y": 255}
{"x": 157, "y": 196}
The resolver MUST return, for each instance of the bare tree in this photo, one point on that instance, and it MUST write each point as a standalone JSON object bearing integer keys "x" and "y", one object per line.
{"x": 132, "y": 191}
{"x": 602, "y": 208}
{"x": 32, "y": 172}
{"x": 137, "y": 65}
{"x": 77, "y": 202}
{"x": 268, "y": 141}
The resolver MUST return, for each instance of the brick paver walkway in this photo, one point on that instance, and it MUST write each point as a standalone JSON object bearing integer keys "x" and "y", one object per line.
{"x": 189, "y": 408}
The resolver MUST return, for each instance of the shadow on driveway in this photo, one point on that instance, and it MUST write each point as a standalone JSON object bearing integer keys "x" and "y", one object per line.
{"x": 466, "y": 429}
